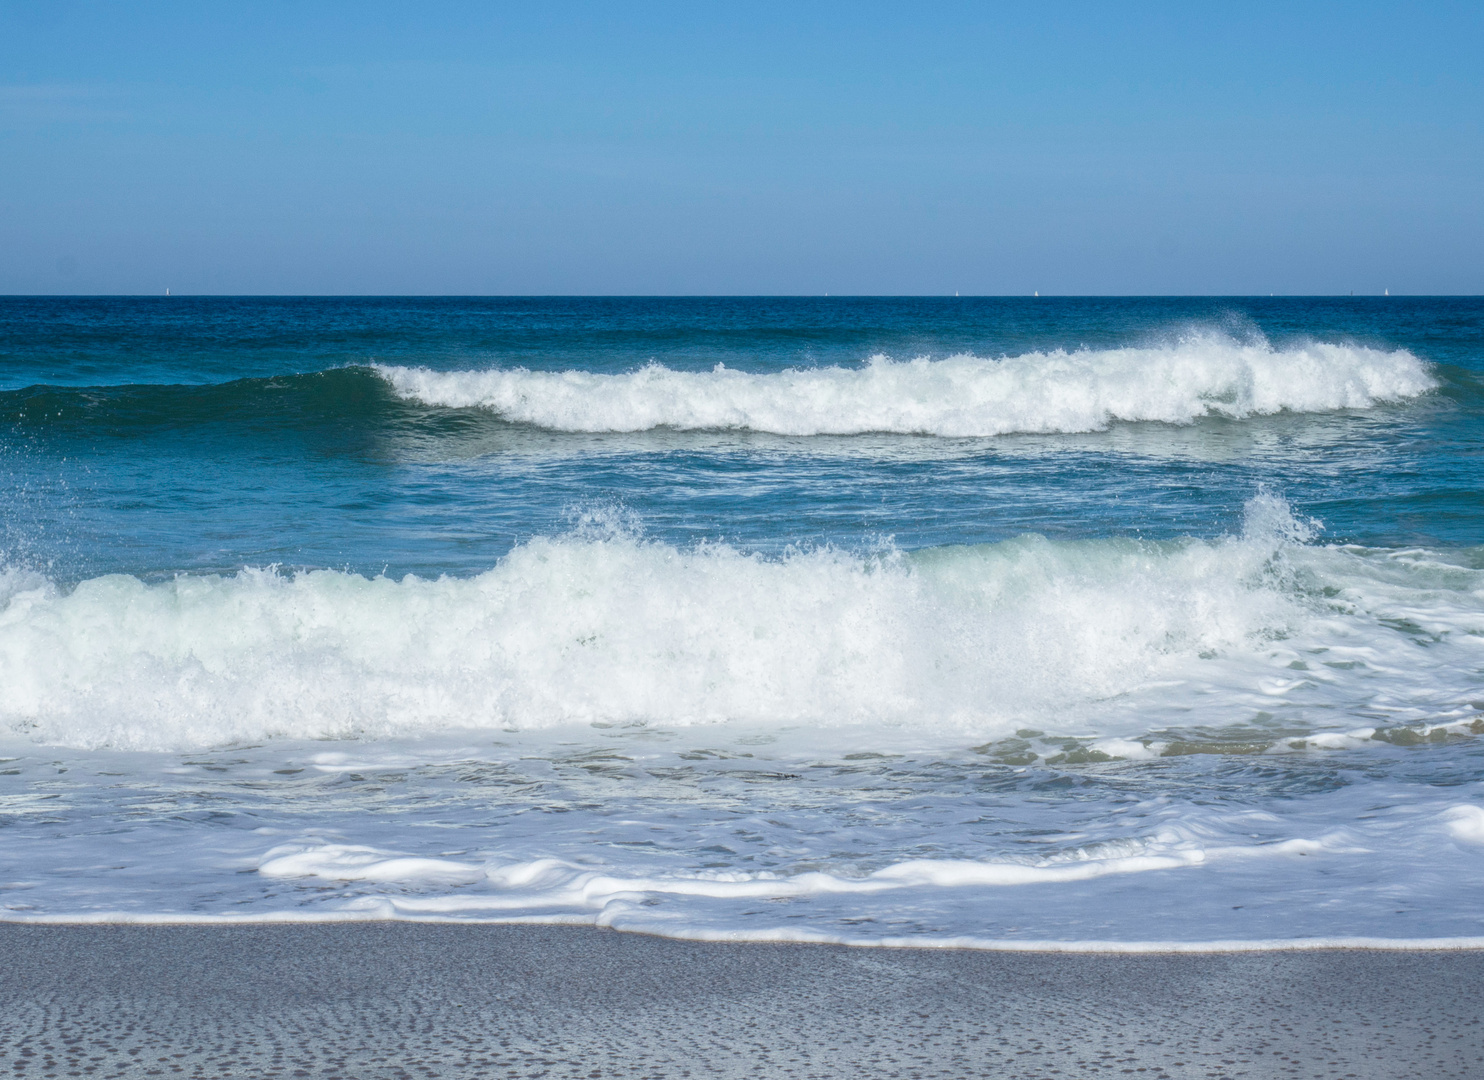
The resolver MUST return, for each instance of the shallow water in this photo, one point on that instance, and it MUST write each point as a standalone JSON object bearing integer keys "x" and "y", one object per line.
{"x": 868, "y": 620}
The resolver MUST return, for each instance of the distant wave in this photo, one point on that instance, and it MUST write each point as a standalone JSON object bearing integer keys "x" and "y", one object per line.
{"x": 957, "y": 396}
{"x": 353, "y": 395}
{"x": 1208, "y": 374}
{"x": 613, "y": 629}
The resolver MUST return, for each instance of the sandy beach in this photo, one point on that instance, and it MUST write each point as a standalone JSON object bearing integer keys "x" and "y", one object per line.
{"x": 418, "y": 1000}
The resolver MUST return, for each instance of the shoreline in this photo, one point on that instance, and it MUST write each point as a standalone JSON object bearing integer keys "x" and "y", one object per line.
{"x": 1212, "y": 947}
{"x": 394, "y": 999}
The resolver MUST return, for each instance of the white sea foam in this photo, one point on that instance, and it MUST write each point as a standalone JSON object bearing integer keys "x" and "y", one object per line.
{"x": 1186, "y": 874}
{"x": 15, "y": 580}
{"x": 1202, "y": 374}
{"x": 1073, "y": 636}
{"x": 552, "y": 883}
{"x": 555, "y": 883}
{"x": 1466, "y": 823}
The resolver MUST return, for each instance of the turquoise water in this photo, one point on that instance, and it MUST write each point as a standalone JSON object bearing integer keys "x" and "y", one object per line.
{"x": 858, "y": 619}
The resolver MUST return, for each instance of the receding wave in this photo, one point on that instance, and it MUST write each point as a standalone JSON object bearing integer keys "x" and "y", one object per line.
{"x": 962, "y": 395}
{"x": 1090, "y": 636}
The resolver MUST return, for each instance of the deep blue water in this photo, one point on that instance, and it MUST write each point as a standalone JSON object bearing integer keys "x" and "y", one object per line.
{"x": 155, "y": 435}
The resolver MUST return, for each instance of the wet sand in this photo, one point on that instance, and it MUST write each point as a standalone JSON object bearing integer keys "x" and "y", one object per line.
{"x": 411, "y": 1001}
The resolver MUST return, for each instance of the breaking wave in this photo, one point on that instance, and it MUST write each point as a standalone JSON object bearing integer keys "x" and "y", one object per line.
{"x": 1066, "y": 392}
{"x": 613, "y": 629}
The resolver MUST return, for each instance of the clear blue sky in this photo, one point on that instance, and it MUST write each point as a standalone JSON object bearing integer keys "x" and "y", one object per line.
{"x": 741, "y": 148}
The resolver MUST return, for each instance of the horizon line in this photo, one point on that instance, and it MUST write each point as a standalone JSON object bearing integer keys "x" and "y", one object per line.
{"x": 737, "y": 296}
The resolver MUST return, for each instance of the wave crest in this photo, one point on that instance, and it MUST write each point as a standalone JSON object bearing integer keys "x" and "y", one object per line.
{"x": 1068, "y": 636}
{"x": 960, "y": 396}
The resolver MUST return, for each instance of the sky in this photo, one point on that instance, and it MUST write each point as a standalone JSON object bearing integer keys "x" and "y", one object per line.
{"x": 741, "y": 148}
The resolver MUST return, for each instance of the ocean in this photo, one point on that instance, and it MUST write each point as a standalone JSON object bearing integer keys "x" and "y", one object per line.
{"x": 1009, "y": 623}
